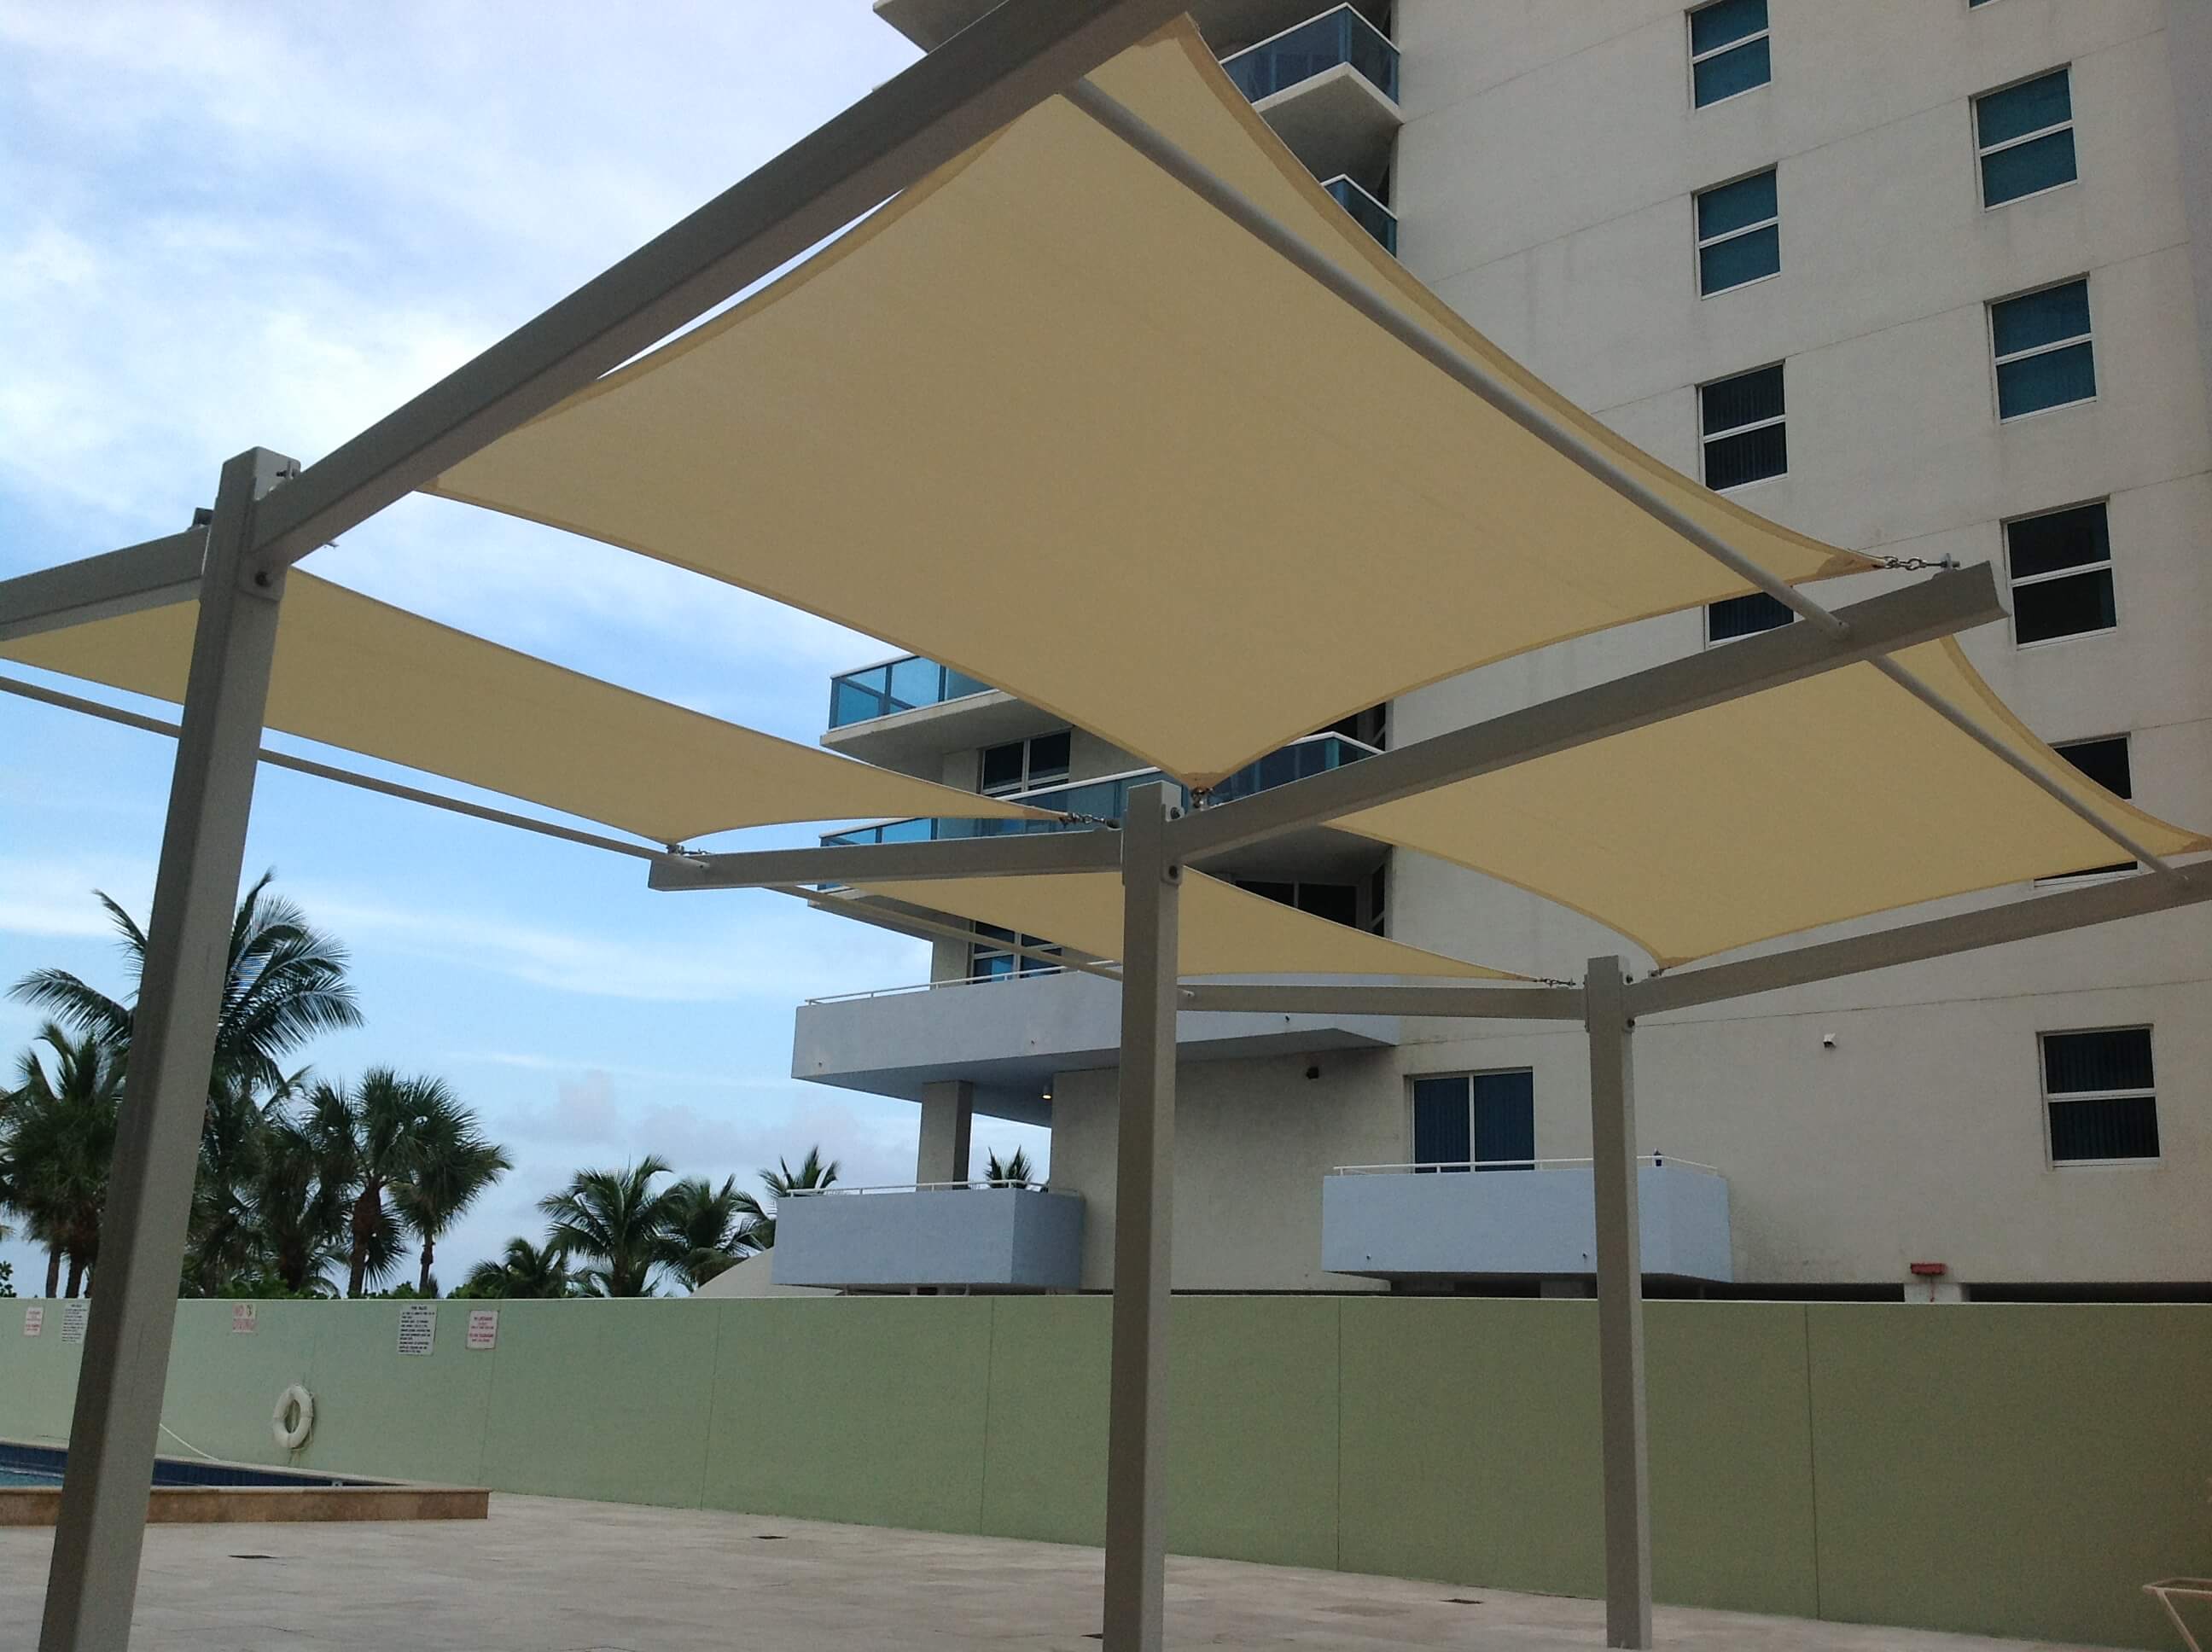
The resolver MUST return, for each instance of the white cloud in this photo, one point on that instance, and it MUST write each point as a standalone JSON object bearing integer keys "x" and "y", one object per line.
{"x": 51, "y": 895}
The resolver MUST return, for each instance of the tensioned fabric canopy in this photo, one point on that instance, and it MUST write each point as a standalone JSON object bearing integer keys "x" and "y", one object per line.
{"x": 1833, "y": 797}
{"x": 355, "y": 673}
{"x": 1050, "y": 419}
{"x": 1224, "y": 930}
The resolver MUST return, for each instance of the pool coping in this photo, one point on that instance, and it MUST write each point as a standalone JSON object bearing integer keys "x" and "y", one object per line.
{"x": 367, "y": 1498}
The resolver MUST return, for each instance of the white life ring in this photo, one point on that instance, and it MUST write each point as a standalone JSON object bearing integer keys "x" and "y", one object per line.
{"x": 293, "y": 1420}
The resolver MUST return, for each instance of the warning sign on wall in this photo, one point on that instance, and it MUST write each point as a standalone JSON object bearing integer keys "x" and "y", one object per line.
{"x": 418, "y": 1327}
{"x": 484, "y": 1329}
{"x": 74, "y": 1314}
{"x": 242, "y": 1321}
{"x": 34, "y": 1320}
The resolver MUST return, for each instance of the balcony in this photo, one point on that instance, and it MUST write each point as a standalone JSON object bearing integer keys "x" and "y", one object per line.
{"x": 1107, "y": 798}
{"x": 1329, "y": 88}
{"x": 1533, "y": 1218}
{"x": 1370, "y": 213}
{"x": 896, "y": 685}
{"x": 945, "y": 1236}
{"x": 1011, "y": 1034}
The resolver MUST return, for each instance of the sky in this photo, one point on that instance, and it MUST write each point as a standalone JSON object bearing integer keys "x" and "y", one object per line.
{"x": 224, "y": 226}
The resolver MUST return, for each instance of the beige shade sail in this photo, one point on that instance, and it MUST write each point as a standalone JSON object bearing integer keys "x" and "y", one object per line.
{"x": 1831, "y": 799}
{"x": 1049, "y": 418}
{"x": 355, "y": 673}
{"x": 1224, "y": 930}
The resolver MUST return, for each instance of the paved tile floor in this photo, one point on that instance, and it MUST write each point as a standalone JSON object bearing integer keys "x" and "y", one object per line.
{"x": 542, "y": 1575}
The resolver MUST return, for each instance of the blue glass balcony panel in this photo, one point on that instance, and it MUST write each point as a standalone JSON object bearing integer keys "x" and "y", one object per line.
{"x": 896, "y": 685}
{"x": 1102, "y": 800}
{"x": 1370, "y": 213}
{"x": 1319, "y": 44}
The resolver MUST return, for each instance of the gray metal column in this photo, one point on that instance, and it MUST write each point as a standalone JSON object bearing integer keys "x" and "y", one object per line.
{"x": 93, "y": 1580}
{"x": 1144, "y": 1196}
{"x": 1620, "y": 1308}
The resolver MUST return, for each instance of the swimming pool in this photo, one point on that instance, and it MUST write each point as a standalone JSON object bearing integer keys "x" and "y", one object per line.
{"x": 36, "y": 1465}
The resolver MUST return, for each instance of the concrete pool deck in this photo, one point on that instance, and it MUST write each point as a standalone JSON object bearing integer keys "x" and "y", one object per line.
{"x": 547, "y": 1573}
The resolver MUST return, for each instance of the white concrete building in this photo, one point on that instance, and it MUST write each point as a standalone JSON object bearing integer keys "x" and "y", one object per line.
{"x": 1926, "y": 278}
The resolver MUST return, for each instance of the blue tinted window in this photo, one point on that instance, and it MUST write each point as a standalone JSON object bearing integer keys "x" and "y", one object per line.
{"x": 1737, "y": 70}
{"x": 1734, "y": 206}
{"x": 1441, "y": 1122}
{"x": 2052, "y": 380}
{"x": 1716, "y": 26}
{"x": 1505, "y": 1120}
{"x": 1740, "y": 259}
{"x": 2046, "y": 101}
{"x": 1745, "y": 439}
{"x": 2015, "y": 163}
{"x": 2045, "y": 357}
{"x": 2034, "y": 319}
{"x": 1744, "y": 616}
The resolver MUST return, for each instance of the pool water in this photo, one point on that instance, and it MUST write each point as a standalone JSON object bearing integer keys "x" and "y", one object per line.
{"x": 36, "y": 1465}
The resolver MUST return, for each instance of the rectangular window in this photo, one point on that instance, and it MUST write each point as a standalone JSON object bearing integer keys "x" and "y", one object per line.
{"x": 1741, "y": 419}
{"x": 1338, "y": 903}
{"x": 1486, "y": 1120}
{"x": 1739, "y": 233}
{"x": 2061, "y": 569}
{"x": 2099, "y": 1095}
{"x": 1745, "y": 616}
{"x": 2105, "y": 762}
{"x": 2024, "y": 136}
{"x": 1024, "y": 765}
{"x": 2043, "y": 355}
{"x": 991, "y": 955}
{"x": 1728, "y": 49}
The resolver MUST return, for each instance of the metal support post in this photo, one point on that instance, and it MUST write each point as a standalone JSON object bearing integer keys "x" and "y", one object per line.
{"x": 1620, "y": 1309}
{"x": 1136, "y": 1450}
{"x": 93, "y": 1582}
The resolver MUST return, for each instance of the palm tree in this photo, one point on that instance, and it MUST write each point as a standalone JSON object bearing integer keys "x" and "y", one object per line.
{"x": 407, "y": 1136}
{"x": 526, "y": 1270}
{"x": 451, "y": 1165}
{"x": 618, "y": 1220}
{"x": 759, "y": 1232}
{"x": 225, "y": 1241}
{"x": 286, "y": 982}
{"x": 1014, "y": 1172}
{"x": 707, "y": 1228}
{"x": 303, "y": 1196}
{"x": 59, "y": 1135}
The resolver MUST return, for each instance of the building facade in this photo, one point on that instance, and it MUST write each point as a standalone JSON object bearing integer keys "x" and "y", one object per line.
{"x": 1930, "y": 279}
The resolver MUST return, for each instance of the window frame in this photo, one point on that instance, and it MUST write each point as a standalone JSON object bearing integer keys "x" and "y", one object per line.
{"x": 1997, "y": 363}
{"x": 1707, "y": 437}
{"x": 1712, "y": 641}
{"x": 1467, "y": 1076}
{"x": 1696, "y": 57}
{"x": 2117, "y": 868}
{"x": 1700, "y": 240}
{"x": 1029, "y": 781}
{"x": 2051, "y": 1161}
{"x": 2110, "y": 566}
{"x": 1983, "y": 151}
{"x": 981, "y": 946}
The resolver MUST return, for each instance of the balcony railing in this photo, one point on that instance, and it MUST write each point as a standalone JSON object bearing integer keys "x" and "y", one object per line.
{"x": 1370, "y": 213}
{"x": 981, "y": 1235}
{"x": 1419, "y": 1221}
{"x": 1299, "y": 53}
{"x": 896, "y": 685}
{"x": 1108, "y": 798}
